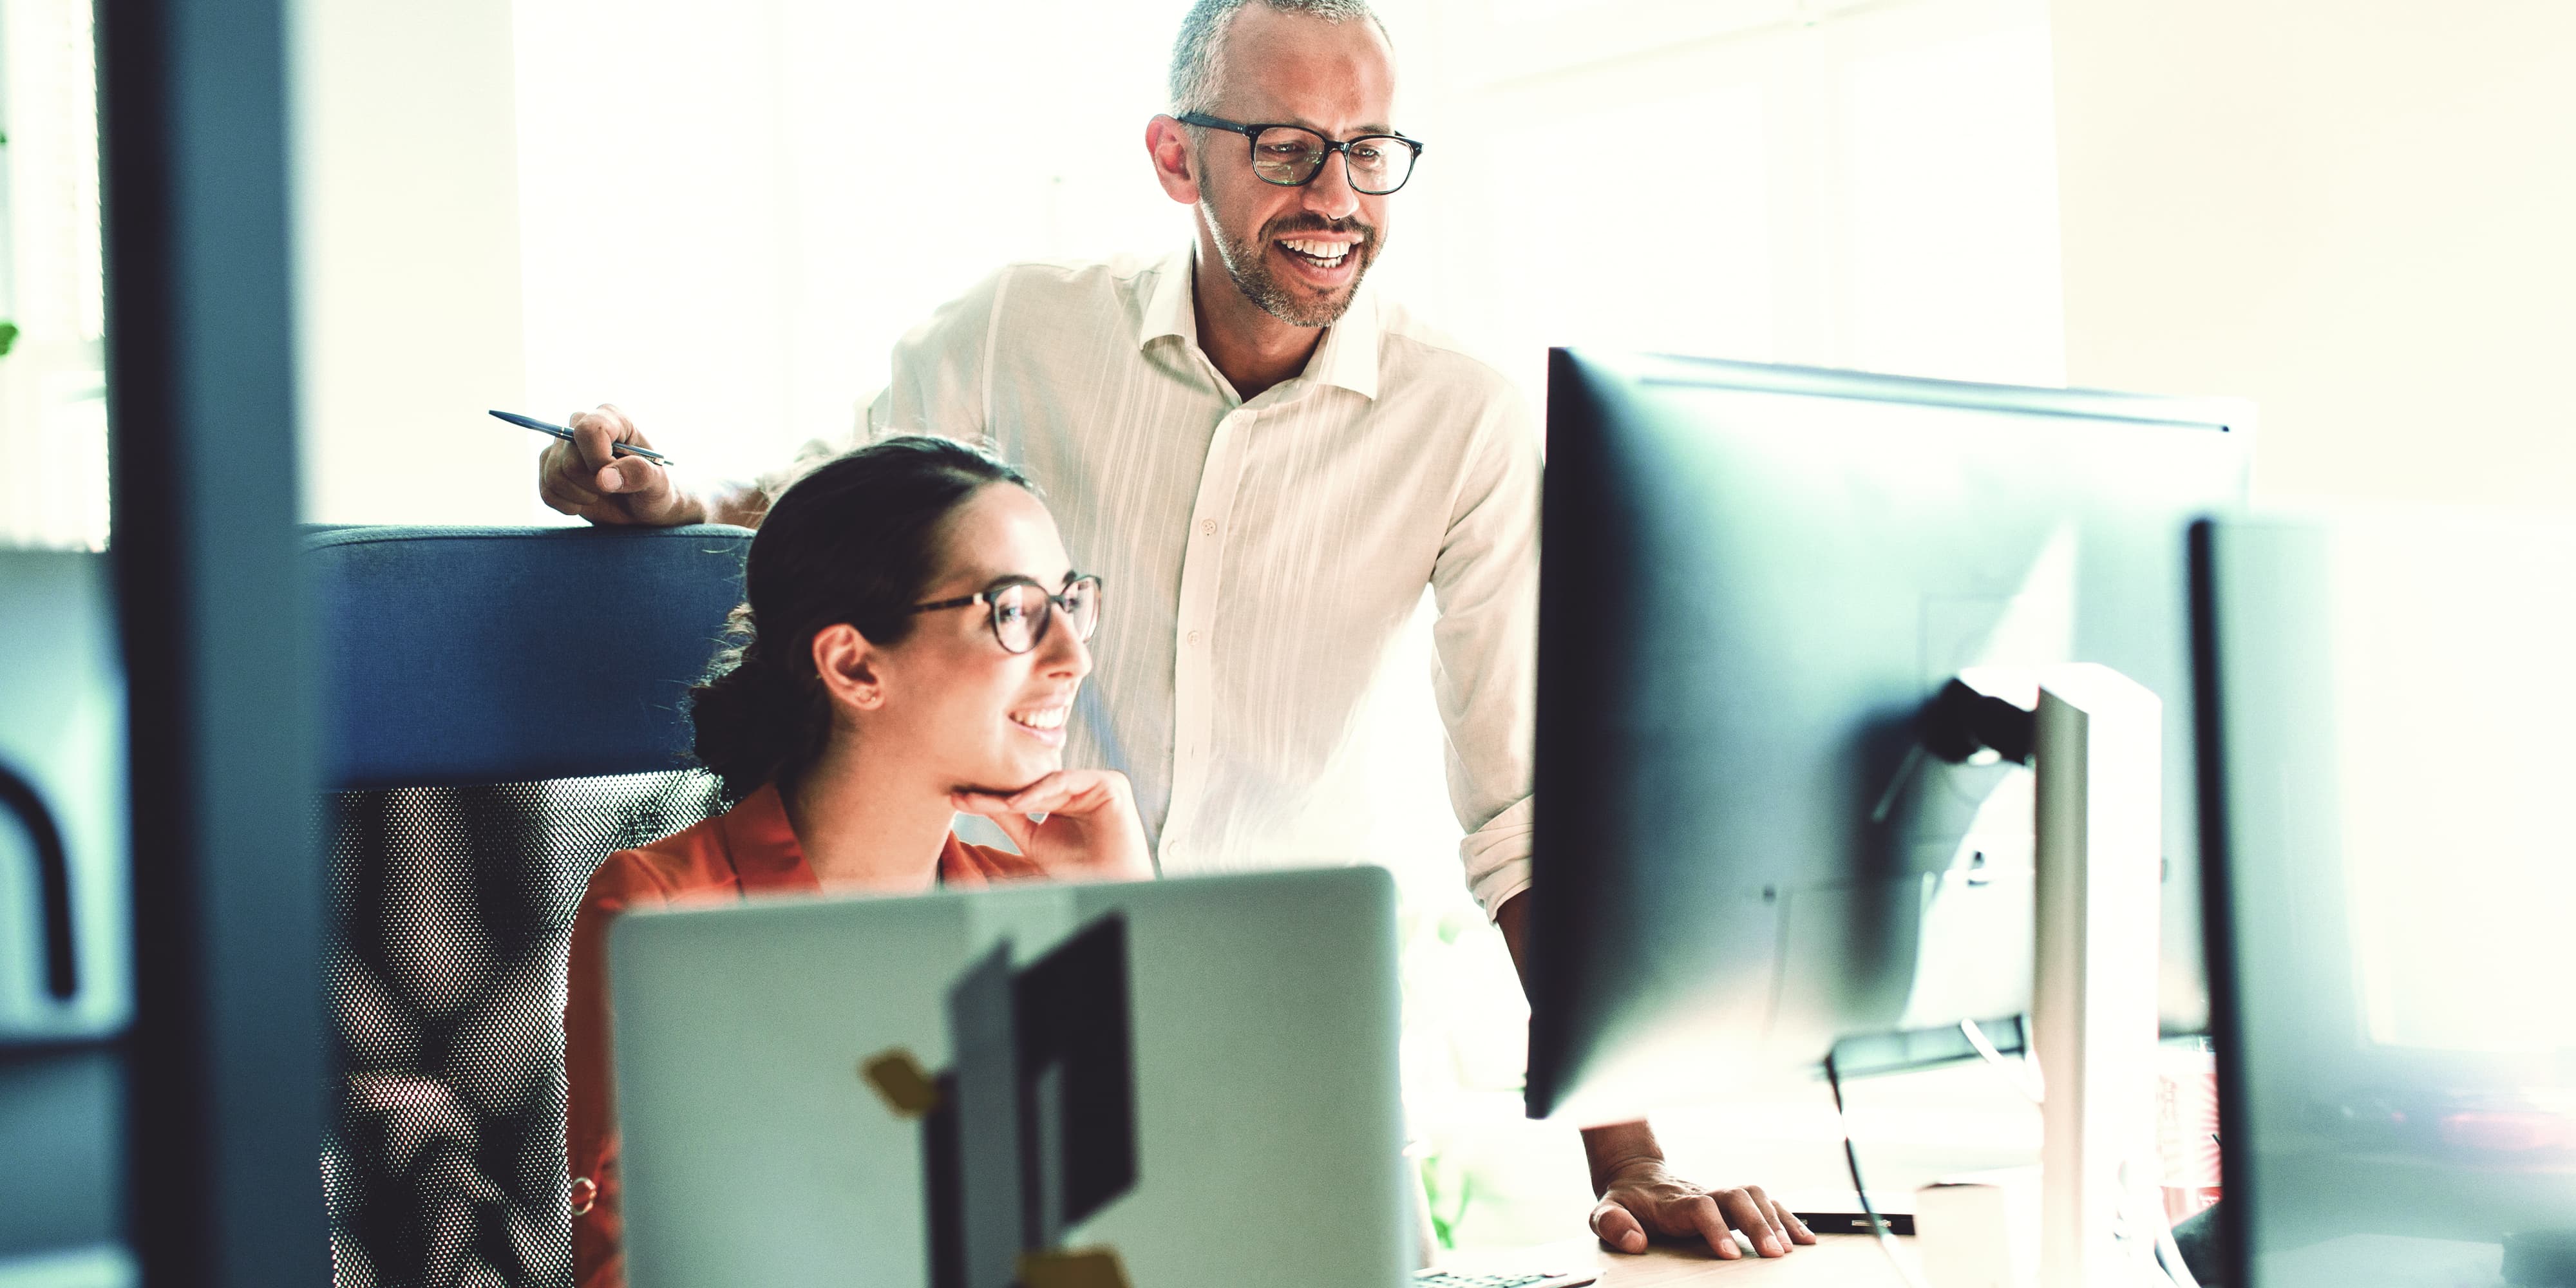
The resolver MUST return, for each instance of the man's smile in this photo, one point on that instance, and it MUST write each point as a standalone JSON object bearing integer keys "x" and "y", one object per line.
{"x": 1324, "y": 262}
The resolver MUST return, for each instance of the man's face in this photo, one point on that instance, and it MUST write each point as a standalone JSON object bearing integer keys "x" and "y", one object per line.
{"x": 1298, "y": 253}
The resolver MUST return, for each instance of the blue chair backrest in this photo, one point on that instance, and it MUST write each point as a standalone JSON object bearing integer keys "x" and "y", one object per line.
{"x": 486, "y": 655}
{"x": 503, "y": 707}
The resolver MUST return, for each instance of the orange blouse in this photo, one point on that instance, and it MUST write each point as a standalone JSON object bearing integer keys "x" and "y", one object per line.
{"x": 747, "y": 850}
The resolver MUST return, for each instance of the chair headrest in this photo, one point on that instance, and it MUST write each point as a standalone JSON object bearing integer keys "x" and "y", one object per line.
{"x": 480, "y": 655}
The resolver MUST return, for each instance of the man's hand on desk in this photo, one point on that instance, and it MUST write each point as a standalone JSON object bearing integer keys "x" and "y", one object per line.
{"x": 1642, "y": 1197}
{"x": 1639, "y": 1195}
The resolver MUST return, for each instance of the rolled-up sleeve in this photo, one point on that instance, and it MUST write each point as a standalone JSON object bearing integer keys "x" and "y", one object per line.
{"x": 1485, "y": 587}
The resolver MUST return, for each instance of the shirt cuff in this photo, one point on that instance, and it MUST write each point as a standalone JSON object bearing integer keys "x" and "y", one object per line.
{"x": 1497, "y": 857}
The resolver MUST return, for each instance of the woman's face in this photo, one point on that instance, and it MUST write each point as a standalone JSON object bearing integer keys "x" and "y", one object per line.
{"x": 968, "y": 711}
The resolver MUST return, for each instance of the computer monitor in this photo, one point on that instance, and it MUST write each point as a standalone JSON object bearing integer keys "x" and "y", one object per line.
{"x": 2389, "y": 737}
{"x": 1754, "y": 579}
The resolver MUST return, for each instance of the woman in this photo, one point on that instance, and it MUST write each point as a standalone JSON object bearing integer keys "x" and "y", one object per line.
{"x": 912, "y": 641}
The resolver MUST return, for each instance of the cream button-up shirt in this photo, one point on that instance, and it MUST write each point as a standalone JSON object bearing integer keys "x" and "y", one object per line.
{"x": 1259, "y": 558}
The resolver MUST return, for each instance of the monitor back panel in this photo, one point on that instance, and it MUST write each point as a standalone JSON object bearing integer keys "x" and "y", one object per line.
{"x": 1754, "y": 579}
{"x": 1264, "y": 1015}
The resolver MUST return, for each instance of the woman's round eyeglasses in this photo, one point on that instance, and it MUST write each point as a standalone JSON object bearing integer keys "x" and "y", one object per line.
{"x": 1292, "y": 155}
{"x": 1021, "y": 609}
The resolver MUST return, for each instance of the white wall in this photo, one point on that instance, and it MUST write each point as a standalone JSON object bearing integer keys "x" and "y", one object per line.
{"x": 1807, "y": 181}
{"x": 731, "y": 212}
{"x": 407, "y": 260}
{"x": 53, "y": 397}
{"x": 2358, "y": 212}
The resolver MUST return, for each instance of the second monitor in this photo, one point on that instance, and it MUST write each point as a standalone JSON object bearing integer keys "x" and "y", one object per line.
{"x": 1755, "y": 578}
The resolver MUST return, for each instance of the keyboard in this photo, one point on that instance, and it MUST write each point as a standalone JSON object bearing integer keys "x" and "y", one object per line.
{"x": 1526, "y": 1279}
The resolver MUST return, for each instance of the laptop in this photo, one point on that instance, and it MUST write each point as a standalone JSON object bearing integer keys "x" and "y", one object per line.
{"x": 1195, "y": 1079}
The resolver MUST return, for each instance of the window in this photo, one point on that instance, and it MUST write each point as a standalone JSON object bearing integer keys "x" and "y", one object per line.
{"x": 53, "y": 387}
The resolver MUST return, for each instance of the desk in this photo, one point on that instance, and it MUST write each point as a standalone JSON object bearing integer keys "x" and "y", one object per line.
{"x": 1834, "y": 1259}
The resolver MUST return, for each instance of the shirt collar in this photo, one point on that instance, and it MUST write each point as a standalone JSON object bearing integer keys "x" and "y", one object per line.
{"x": 763, "y": 845}
{"x": 1167, "y": 310}
{"x": 1348, "y": 356}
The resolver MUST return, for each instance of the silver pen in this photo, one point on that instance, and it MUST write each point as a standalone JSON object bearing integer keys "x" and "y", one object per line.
{"x": 614, "y": 449}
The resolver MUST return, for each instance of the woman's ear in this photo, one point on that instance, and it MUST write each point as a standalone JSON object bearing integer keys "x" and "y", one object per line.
{"x": 847, "y": 664}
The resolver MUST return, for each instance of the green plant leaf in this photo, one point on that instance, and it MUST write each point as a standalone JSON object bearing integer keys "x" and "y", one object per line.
{"x": 8, "y": 336}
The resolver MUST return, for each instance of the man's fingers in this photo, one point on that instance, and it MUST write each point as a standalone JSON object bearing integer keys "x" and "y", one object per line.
{"x": 632, "y": 476}
{"x": 586, "y": 477}
{"x": 566, "y": 477}
{"x": 1749, "y": 1210}
{"x": 565, "y": 495}
{"x": 593, "y": 432}
{"x": 1700, "y": 1213}
{"x": 1788, "y": 1220}
{"x": 562, "y": 479}
{"x": 1617, "y": 1226}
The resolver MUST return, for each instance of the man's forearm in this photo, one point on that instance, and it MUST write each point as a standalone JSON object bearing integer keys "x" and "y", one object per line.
{"x": 740, "y": 504}
{"x": 1608, "y": 1149}
{"x": 1513, "y": 920}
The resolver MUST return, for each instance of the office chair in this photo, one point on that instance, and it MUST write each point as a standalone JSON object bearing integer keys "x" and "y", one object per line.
{"x": 502, "y": 708}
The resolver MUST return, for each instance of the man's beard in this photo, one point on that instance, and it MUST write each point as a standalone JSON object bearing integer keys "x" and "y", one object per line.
{"x": 1248, "y": 263}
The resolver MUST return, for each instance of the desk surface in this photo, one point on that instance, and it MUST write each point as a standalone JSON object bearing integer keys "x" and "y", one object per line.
{"x": 1833, "y": 1259}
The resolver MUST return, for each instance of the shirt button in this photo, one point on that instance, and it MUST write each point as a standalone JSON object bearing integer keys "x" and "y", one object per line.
{"x": 1207, "y": 527}
{"x": 1194, "y": 637}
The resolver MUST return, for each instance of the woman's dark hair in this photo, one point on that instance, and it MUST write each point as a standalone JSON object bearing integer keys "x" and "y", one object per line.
{"x": 852, "y": 541}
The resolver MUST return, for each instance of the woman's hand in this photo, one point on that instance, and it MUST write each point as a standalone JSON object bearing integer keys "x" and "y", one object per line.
{"x": 1089, "y": 832}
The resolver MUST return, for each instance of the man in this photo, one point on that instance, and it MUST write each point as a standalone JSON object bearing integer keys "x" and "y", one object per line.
{"x": 1267, "y": 466}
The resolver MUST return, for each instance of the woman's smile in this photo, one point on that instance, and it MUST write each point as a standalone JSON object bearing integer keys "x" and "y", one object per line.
{"x": 1044, "y": 723}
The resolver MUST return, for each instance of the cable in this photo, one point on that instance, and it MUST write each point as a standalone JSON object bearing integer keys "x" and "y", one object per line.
{"x": 2169, "y": 1256}
{"x": 1869, "y": 1211}
{"x": 2024, "y": 1079}
{"x": 2163, "y": 1255}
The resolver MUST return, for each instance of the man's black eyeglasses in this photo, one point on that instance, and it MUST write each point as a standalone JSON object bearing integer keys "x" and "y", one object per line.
{"x": 1292, "y": 155}
{"x": 1022, "y": 609}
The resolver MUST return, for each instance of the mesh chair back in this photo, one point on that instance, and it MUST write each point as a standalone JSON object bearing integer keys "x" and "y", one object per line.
{"x": 505, "y": 707}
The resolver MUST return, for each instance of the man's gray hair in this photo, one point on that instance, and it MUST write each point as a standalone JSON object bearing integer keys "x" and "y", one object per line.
{"x": 1198, "y": 56}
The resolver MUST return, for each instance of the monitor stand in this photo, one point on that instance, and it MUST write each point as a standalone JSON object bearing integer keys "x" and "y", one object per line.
{"x": 2099, "y": 867}
{"x": 2095, "y": 739}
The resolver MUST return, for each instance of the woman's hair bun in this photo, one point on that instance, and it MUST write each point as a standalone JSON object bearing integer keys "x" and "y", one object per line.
{"x": 744, "y": 724}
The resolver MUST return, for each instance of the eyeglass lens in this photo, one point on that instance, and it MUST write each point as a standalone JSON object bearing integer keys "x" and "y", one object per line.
{"x": 1020, "y": 612}
{"x": 1288, "y": 154}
